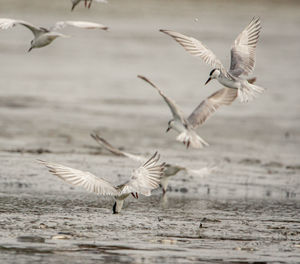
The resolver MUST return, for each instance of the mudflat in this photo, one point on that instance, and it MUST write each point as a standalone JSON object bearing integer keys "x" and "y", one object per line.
{"x": 246, "y": 211}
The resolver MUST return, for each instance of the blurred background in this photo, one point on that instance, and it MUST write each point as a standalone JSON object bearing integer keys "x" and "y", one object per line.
{"x": 52, "y": 98}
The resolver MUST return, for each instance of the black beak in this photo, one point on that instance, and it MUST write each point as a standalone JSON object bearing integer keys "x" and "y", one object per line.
{"x": 208, "y": 81}
{"x": 29, "y": 49}
{"x": 168, "y": 129}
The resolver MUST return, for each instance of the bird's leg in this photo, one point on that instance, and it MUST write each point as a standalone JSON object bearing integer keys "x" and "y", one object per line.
{"x": 85, "y": 3}
{"x": 89, "y": 6}
{"x": 137, "y": 196}
{"x": 133, "y": 194}
{"x": 188, "y": 144}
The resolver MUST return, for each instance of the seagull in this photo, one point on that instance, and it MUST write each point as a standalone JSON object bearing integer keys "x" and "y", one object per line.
{"x": 86, "y": 4}
{"x": 242, "y": 59}
{"x": 142, "y": 180}
{"x": 186, "y": 127}
{"x": 44, "y": 36}
{"x": 169, "y": 170}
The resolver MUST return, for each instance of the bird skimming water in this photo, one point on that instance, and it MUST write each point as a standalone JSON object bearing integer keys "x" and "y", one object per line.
{"x": 143, "y": 180}
{"x": 242, "y": 59}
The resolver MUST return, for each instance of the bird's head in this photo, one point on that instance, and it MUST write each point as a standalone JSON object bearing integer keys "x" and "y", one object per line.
{"x": 170, "y": 125}
{"x": 215, "y": 73}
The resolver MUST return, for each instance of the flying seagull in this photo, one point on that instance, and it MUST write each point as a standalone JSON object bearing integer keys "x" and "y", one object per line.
{"x": 87, "y": 3}
{"x": 143, "y": 180}
{"x": 186, "y": 127}
{"x": 242, "y": 59}
{"x": 44, "y": 36}
{"x": 169, "y": 170}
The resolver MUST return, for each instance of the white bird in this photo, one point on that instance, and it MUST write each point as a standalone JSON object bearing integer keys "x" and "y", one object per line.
{"x": 186, "y": 127}
{"x": 44, "y": 36}
{"x": 242, "y": 59}
{"x": 169, "y": 170}
{"x": 143, "y": 180}
{"x": 86, "y": 4}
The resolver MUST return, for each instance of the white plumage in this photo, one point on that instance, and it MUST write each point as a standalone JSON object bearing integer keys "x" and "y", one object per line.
{"x": 143, "y": 180}
{"x": 44, "y": 36}
{"x": 242, "y": 59}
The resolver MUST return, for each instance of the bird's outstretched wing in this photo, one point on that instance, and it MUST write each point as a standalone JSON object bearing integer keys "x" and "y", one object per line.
{"x": 196, "y": 48}
{"x": 206, "y": 108}
{"x": 80, "y": 24}
{"x": 102, "y": 142}
{"x": 145, "y": 178}
{"x": 6, "y": 23}
{"x": 176, "y": 112}
{"x": 81, "y": 178}
{"x": 243, "y": 49}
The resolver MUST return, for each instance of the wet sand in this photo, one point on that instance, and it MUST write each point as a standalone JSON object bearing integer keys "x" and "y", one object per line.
{"x": 246, "y": 211}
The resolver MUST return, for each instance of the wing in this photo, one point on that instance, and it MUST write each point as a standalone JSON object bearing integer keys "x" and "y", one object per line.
{"x": 6, "y": 23}
{"x": 81, "y": 178}
{"x": 80, "y": 24}
{"x": 210, "y": 105}
{"x": 145, "y": 178}
{"x": 101, "y": 141}
{"x": 243, "y": 49}
{"x": 196, "y": 48}
{"x": 176, "y": 112}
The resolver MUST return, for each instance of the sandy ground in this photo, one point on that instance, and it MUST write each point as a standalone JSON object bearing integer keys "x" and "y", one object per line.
{"x": 246, "y": 211}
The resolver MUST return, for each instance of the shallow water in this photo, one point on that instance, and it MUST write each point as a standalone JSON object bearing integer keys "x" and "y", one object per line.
{"x": 246, "y": 211}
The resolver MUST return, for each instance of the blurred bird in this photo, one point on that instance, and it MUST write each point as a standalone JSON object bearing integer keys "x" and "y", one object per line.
{"x": 169, "y": 170}
{"x": 142, "y": 180}
{"x": 242, "y": 59}
{"x": 87, "y": 3}
{"x": 186, "y": 127}
{"x": 44, "y": 36}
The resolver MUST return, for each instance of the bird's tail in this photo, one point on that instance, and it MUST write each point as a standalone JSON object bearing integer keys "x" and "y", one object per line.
{"x": 249, "y": 91}
{"x": 190, "y": 138}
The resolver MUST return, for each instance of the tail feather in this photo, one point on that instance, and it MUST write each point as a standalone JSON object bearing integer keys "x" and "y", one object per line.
{"x": 190, "y": 138}
{"x": 249, "y": 92}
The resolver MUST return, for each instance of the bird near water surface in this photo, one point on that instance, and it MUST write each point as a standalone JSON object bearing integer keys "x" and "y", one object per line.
{"x": 143, "y": 180}
{"x": 169, "y": 170}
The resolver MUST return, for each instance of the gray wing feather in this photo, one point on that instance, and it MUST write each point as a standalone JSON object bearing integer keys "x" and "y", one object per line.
{"x": 196, "y": 48}
{"x": 176, "y": 112}
{"x": 243, "y": 49}
{"x": 6, "y": 23}
{"x": 145, "y": 178}
{"x": 80, "y": 24}
{"x": 101, "y": 141}
{"x": 81, "y": 178}
{"x": 210, "y": 105}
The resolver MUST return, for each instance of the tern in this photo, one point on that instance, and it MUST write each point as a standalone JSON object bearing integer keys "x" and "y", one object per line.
{"x": 186, "y": 127}
{"x": 169, "y": 170}
{"x": 143, "y": 180}
{"x": 44, "y": 36}
{"x": 242, "y": 59}
{"x": 86, "y": 4}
